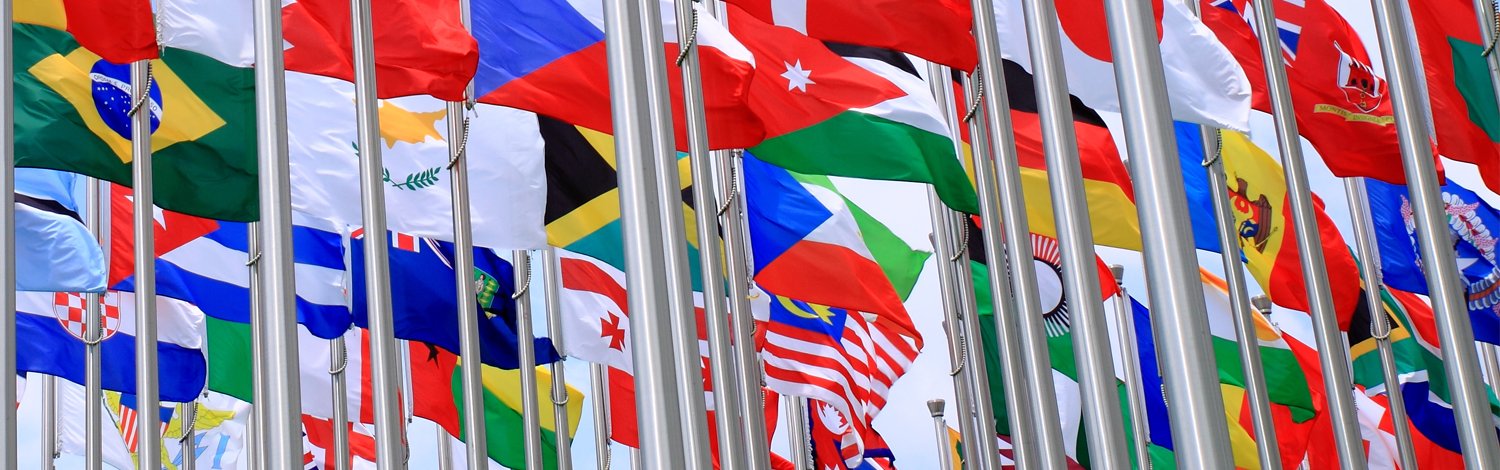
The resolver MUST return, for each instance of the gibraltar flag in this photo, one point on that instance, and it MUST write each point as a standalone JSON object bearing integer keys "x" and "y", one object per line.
{"x": 1204, "y": 83}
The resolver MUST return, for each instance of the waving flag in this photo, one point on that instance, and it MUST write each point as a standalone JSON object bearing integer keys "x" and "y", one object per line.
{"x": 421, "y": 46}
{"x": 502, "y": 415}
{"x": 935, "y": 30}
{"x": 120, "y": 31}
{"x": 53, "y": 247}
{"x": 1459, "y": 90}
{"x": 806, "y": 245}
{"x": 1204, "y": 83}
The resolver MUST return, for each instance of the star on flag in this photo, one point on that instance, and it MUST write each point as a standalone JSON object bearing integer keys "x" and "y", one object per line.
{"x": 796, "y": 77}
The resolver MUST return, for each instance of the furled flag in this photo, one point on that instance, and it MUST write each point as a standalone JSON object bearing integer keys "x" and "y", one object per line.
{"x": 316, "y": 358}
{"x": 502, "y": 415}
{"x": 72, "y": 114}
{"x": 1204, "y": 83}
{"x": 120, "y": 31}
{"x": 867, "y": 114}
{"x": 936, "y": 30}
{"x": 53, "y": 325}
{"x": 1459, "y": 86}
{"x": 1469, "y": 229}
{"x": 1339, "y": 101}
{"x": 547, "y": 56}
{"x": 505, "y": 164}
{"x": 422, "y": 298}
{"x": 421, "y": 46}
{"x": 806, "y": 245}
{"x": 53, "y": 247}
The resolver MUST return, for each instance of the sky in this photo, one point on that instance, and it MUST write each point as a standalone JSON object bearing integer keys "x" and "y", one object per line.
{"x": 905, "y": 423}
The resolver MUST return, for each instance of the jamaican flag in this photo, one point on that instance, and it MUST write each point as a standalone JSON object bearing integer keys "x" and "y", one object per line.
{"x": 72, "y": 114}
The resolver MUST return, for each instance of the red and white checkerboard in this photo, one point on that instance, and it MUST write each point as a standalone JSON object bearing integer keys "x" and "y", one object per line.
{"x": 72, "y": 313}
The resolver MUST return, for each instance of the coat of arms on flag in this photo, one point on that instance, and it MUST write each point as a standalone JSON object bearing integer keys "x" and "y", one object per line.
{"x": 72, "y": 313}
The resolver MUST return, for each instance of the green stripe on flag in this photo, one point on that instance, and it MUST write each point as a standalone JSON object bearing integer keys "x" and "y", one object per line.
{"x": 229, "y": 357}
{"x": 1471, "y": 75}
{"x": 902, "y": 263}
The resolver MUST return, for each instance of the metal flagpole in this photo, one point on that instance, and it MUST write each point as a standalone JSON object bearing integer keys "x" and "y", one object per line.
{"x": 93, "y": 417}
{"x": 1470, "y": 407}
{"x": 551, "y": 291}
{"x": 189, "y": 428}
{"x": 1333, "y": 355}
{"x": 1380, "y": 327}
{"x": 599, "y": 383}
{"x": 9, "y": 438}
{"x": 797, "y": 437}
{"x": 390, "y": 448}
{"x": 747, "y": 359}
{"x": 255, "y": 434}
{"x": 1492, "y": 365}
{"x": 1013, "y": 362}
{"x": 49, "y": 422}
{"x": 1135, "y": 385}
{"x": 1484, "y": 12}
{"x": 1000, "y": 180}
{"x": 338, "y": 363}
{"x": 278, "y": 405}
{"x": 958, "y": 352}
{"x": 470, "y": 380}
{"x": 1186, "y": 355}
{"x": 727, "y": 391}
{"x": 630, "y": 61}
{"x": 531, "y": 411}
{"x": 1075, "y": 239}
{"x": 940, "y": 430}
{"x": 147, "y": 388}
{"x": 445, "y": 449}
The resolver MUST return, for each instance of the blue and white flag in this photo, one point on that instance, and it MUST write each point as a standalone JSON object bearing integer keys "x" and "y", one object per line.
{"x": 1470, "y": 221}
{"x": 54, "y": 250}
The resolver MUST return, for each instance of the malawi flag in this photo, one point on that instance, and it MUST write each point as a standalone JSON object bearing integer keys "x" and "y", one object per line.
{"x": 1459, "y": 84}
{"x": 72, "y": 115}
{"x": 936, "y": 30}
{"x": 421, "y": 46}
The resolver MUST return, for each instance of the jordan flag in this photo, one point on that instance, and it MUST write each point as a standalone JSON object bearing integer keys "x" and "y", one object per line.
{"x": 936, "y": 30}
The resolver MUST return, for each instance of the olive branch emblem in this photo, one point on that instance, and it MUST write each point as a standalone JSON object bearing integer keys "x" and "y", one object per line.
{"x": 415, "y": 181}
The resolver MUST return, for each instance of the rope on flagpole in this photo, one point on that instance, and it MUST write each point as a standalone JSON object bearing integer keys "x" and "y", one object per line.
{"x": 343, "y": 362}
{"x": 977, "y": 79}
{"x": 1494, "y": 31}
{"x": 962, "y": 248}
{"x": 255, "y": 258}
{"x": 963, "y": 358}
{"x": 525, "y": 287}
{"x": 692, "y": 40}
{"x": 734, "y": 184}
{"x": 1210, "y": 160}
{"x": 463, "y": 141}
{"x": 150, "y": 78}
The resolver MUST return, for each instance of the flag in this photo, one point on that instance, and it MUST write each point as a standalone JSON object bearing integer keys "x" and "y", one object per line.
{"x": 505, "y": 164}
{"x": 317, "y": 437}
{"x": 1204, "y": 83}
{"x": 53, "y": 325}
{"x": 54, "y": 250}
{"x": 834, "y": 445}
{"x": 1262, "y": 212}
{"x": 72, "y": 115}
{"x": 1459, "y": 90}
{"x": 595, "y": 316}
{"x": 937, "y": 31}
{"x": 315, "y": 360}
{"x": 806, "y": 245}
{"x": 851, "y": 111}
{"x": 502, "y": 415}
{"x": 72, "y": 404}
{"x": 120, "y": 31}
{"x": 1338, "y": 100}
{"x": 215, "y": 28}
{"x": 218, "y": 426}
{"x": 1469, "y": 222}
{"x": 1284, "y": 377}
{"x": 545, "y": 56}
{"x": 422, "y": 299}
{"x": 421, "y": 46}
{"x": 125, "y": 410}
{"x": 902, "y": 263}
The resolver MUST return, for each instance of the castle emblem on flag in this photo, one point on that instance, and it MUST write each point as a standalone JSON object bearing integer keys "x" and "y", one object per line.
{"x": 1361, "y": 87}
{"x": 1254, "y": 215}
{"x": 72, "y": 313}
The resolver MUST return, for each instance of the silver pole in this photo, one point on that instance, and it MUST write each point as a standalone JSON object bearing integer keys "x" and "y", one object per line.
{"x": 1013, "y": 361}
{"x": 1333, "y": 354}
{"x": 390, "y": 448}
{"x": 1075, "y": 239}
{"x": 8, "y": 432}
{"x": 599, "y": 381}
{"x": 445, "y": 449}
{"x": 147, "y": 389}
{"x": 338, "y": 363}
{"x": 650, "y": 302}
{"x": 531, "y": 411}
{"x": 49, "y": 422}
{"x": 958, "y": 350}
{"x": 93, "y": 417}
{"x": 255, "y": 433}
{"x": 1380, "y": 327}
{"x": 636, "y": 461}
{"x": 1000, "y": 180}
{"x": 1135, "y": 385}
{"x": 1186, "y": 355}
{"x": 279, "y": 408}
{"x": 189, "y": 428}
{"x": 940, "y": 430}
{"x": 551, "y": 291}
{"x": 795, "y": 409}
{"x": 253, "y": 458}
{"x": 727, "y": 391}
{"x": 1470, "y": 407}
{"x": 470, "y": 378}
{"x": 747, "y": 359}
{"x": 1492, "y": 365}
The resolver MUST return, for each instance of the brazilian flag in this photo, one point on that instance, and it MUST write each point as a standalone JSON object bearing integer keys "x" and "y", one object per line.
{"x": 72, "y": 114}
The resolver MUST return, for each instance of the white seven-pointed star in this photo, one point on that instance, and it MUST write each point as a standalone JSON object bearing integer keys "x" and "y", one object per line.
{"x": 797, "y": 77}
{"x": 156, "y": 214}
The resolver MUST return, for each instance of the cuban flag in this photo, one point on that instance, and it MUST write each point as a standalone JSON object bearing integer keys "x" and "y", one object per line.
{"x": 53, "y": 325}
{"x": 806, "y": 245}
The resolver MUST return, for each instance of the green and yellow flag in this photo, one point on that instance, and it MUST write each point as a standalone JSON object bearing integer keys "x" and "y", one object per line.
{"x": 502, "y": 415}
{"x": 72, "y": 113}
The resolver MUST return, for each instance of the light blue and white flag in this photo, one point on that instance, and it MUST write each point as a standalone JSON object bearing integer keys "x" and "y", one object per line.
{"x": 54, "y": 250}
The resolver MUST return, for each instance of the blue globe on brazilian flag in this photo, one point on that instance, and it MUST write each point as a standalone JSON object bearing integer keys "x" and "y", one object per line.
{"x": 73, "y": 114}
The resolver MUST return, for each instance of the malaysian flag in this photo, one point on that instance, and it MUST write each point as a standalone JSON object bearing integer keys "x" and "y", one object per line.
{"x": 844, "y": 359}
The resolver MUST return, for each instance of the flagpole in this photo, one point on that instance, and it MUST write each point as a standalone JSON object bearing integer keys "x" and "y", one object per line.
{"x": 958, "y": 352}
{"x": 1135, "y": 384}
{"x": 940, "y": 428}
{"x": 1380, "y": 328}
{"x": 737, "y": 261}
{"x": 1491, "y": 364}
{"x": 1186, "y": 354}
{"x": 1013, "y": 361}
{"x": 531, "y": 412}
{"x": 444, "y": 450}
{"x": 635, "y": 109}
{"x": 470, "y": 373}
{"x": 1484, "y": 12}
{"x": 49, "y": 422}
{"x": 9, "y": 438}
{"x": 795, "y": 409}
{"x": 551, "y": 291}
{"x": 338, "y": 363}
{"x": 147, "y": 388}
{"x": 599, "y": 385}
{"x": 255, "y": 434}
{"x": 726, "y": 388}
{"x": 1000, "y": 180}
{"x": 189, "y": 426}
{"x": 92, "y": 365}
